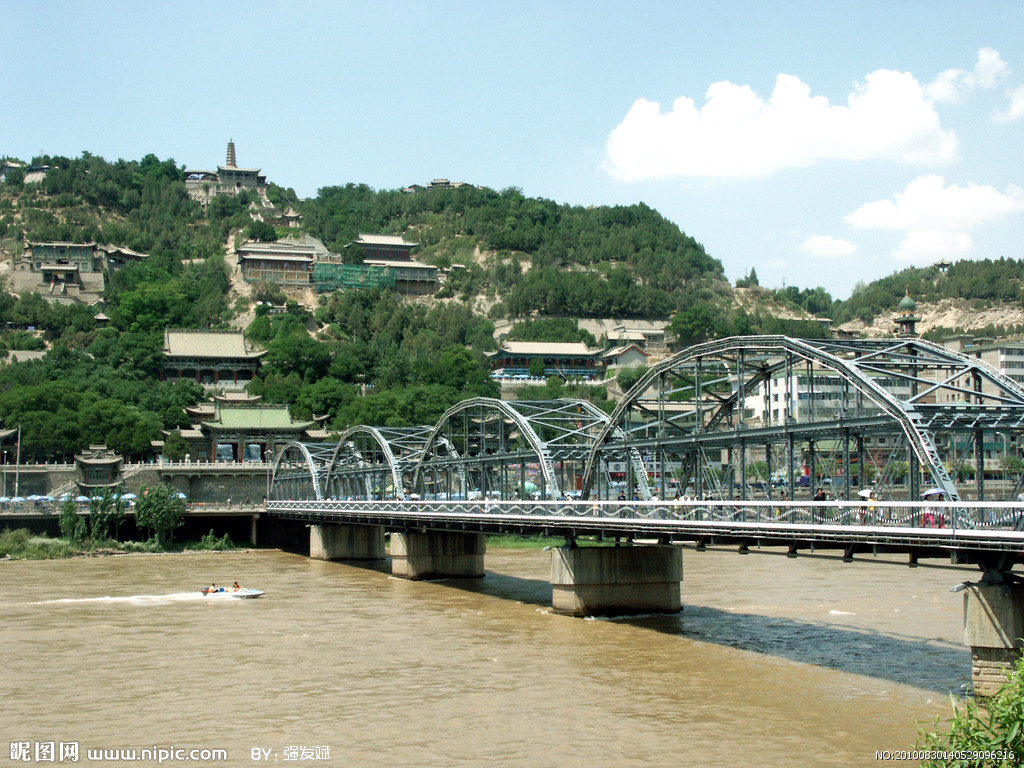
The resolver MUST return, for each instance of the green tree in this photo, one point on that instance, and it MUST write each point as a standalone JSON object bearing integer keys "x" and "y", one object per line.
{"x": 261, "y": 231}
{"x": 536, "y": 367}
{"x": 750, "y": 281}
{"x": 175, "y": 447}
{"x": 107, "y": 511}
{"x": 628, "y": 377}
{"x": 995, "y": 728}
{"x": 160, "y": 510}
{"x": 69, "y": 520}
{"x": 694, "y": 324}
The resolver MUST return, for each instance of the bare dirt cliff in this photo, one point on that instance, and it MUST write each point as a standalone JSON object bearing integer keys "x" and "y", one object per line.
{"x": 947, "y": 313}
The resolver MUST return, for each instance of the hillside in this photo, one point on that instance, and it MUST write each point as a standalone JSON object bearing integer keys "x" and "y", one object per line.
{"x": 945, "y": 316}
{"x": 371, "y": 355}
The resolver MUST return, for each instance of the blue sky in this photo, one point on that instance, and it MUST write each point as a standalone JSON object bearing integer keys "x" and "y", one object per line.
{"x": 819, "y": 143}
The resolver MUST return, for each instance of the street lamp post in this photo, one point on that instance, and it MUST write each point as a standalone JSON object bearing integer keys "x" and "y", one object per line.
{"x": 1003, "y": 462}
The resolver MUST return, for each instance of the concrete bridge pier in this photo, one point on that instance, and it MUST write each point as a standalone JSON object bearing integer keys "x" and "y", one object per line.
{"x": 993, "y": 627}
{"x": 438, "y": 555}
{"x": 346, "y": 542}
{"x": 608, "y": 581}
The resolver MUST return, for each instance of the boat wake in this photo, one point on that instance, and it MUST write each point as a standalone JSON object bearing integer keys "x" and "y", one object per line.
{"x": 174, "y": 597}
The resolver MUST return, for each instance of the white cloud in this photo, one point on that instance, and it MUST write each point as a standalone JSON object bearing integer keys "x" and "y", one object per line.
{"x": 928, "y": 204}
{"x": 824, "y": 245}
{"x": 927, "y": 246}
{"x": 736, "y": 134}
{"x": 1016, "y": 109}
{"x": 953, "y": 84}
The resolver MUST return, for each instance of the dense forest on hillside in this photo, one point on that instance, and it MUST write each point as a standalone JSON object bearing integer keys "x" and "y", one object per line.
{"x": 372, "y": 356}
{"x": 545, "y": 258}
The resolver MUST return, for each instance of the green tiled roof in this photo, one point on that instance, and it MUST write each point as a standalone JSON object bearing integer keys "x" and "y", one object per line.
{"x": 256, "y": 417}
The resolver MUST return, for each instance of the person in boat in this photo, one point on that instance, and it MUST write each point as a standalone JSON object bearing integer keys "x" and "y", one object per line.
{"x": 211, "y": 589}
{"x": 236, "y": 587}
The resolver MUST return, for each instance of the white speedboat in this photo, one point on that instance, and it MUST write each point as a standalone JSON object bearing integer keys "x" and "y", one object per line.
{"x": 228, "y": 592}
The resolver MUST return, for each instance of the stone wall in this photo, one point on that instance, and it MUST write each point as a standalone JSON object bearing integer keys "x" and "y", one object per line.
{"x": 200, "y": 482}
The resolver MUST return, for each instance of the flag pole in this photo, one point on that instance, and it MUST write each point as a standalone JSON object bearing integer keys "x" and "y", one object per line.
{"x": 17, "y": 464}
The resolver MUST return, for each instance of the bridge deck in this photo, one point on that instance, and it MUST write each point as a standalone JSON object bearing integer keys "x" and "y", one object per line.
{"x": 968, "y": 531}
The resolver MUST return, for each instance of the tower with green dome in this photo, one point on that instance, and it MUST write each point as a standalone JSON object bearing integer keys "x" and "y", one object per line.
{"x": 906, "y": 316}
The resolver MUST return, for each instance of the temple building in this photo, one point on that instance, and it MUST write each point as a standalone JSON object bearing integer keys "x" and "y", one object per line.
{"x": 99, "y": 468}
{"x": 393, "y": 254}
{"x": 569, "y": 360}
{"x": 63, "y": 272}
{"x": 212, "y": 358}
{"x": 625, "y": 356}
{"x": 289, "y": 217}
{"x": 243, "y": 429}
{"x": 69, "y": 272}
{"x": 7, "y": 166}
{"x": 228, "y": 180}
{"x": 117, "y": 256}
{"x": 286, "y": 262}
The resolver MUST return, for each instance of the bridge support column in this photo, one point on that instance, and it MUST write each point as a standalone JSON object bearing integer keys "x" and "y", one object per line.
{"x": 993, "y": 627}
{"x": 606, "y": 581}
{"x": 346, "y": 542}
{"x": 438, "y": 555}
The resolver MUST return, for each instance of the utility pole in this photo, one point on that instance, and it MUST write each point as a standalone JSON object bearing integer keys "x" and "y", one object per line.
{"x": 17, "y": 464}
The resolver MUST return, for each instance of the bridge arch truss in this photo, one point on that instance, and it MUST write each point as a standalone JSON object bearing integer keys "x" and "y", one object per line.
{"x": 374, "y": 462}
{"x": 509, "y": 449}
{"x": 298, "y": 471}
{"x": 740, "y": 415}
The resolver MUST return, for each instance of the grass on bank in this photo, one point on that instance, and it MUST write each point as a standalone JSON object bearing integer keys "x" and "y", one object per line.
{"x": 511, "y": 541}
{"x": 981, "y": 733}
{"x": 21, "y": 544}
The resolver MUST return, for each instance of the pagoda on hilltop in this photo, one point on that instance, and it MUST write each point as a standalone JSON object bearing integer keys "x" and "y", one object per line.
{"x": 228, "y": 180}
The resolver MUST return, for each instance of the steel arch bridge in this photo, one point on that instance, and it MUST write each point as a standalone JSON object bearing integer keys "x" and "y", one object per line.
{"x": 885, "y": 410}
{"x": 510, "y": 449}
{"x": 366, "y": 462}
{"x": 747, "y": 417}
{"x": 479, "y": 447}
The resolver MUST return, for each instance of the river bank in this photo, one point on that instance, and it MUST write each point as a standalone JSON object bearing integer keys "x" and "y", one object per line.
{"x": 22, "y": 544}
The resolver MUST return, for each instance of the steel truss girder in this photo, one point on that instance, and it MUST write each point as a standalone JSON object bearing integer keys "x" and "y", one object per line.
{"x": 299, "y": 464}
{"x": 552, "y": 431}
{"x": 399, "y": 448}
{"x": 737, "y": 366}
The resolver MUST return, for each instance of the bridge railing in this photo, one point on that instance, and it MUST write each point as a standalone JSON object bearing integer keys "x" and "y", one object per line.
{"x": 976, "y": 515}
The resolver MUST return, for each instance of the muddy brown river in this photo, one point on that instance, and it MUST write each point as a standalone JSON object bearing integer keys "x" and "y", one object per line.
{"x": 773, "y": 662}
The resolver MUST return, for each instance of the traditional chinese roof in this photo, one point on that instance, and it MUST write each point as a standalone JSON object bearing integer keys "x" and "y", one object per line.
{"x": 397, "y": 263}
{"x": 622, "y": 349}
{"x": 98, "y": 454}
{"x": 542, "y": 348}
{"x": 305, "y": 248}
{"x": 124, "y": 252}
{"x": 236, "y": 168}
{"x": 365, "y": 239}
{"x": 23, "y": 355}
{"x": 238, "y": 398}
{"x": 234, "y": 417}
{"x": 61, "y": 243}
{"x": 208, "y": 344}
